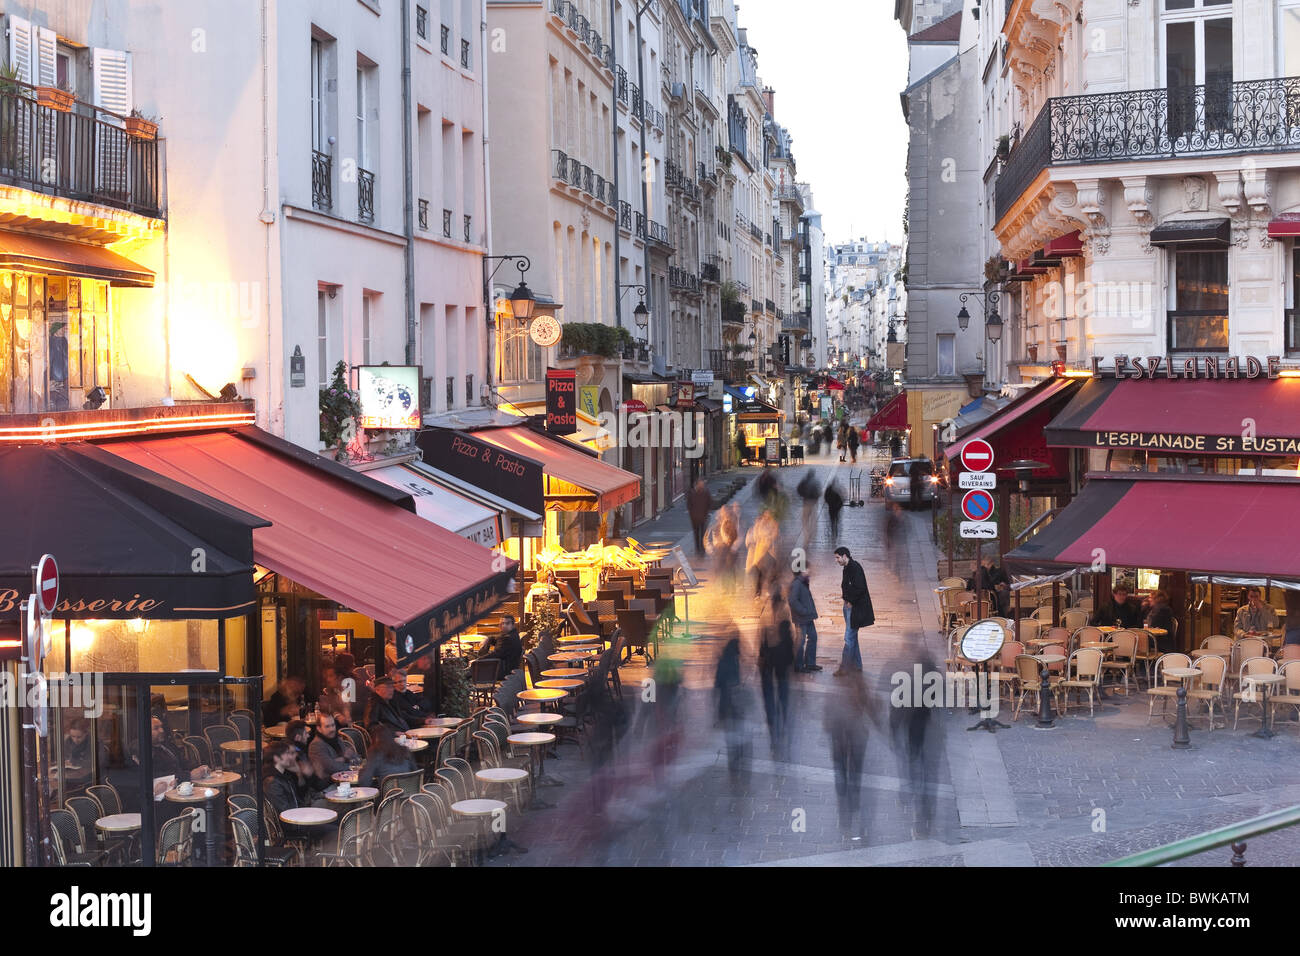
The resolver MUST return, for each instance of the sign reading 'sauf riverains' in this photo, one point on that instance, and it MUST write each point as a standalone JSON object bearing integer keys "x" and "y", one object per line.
{"x": 1189, "y": 367}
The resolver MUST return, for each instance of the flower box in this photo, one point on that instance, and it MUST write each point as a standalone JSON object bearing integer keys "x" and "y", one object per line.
{"x": 55, "y": 98}
{"x": 141, "y": 128}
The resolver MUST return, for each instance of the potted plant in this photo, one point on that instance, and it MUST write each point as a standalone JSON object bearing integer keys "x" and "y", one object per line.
{"x": 1004, "y": 147}
{"x": 340, "y": 410}
{"x": 141, "y": 126}
{"x": 55, "y": 98}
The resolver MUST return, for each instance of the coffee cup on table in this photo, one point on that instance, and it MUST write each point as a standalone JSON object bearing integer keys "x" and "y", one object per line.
{"x": 185, "y": 789}
{"x": 345, "y": 789}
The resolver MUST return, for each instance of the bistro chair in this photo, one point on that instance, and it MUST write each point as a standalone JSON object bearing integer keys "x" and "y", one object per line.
{"x": 1250, "y": 665}
{"x": 66, "y": 839}
{"x": 420, "y": 834}
{"x": 1044, "y": 615}
{"x": 1085, "y": 665}
{"x": 1289, "y": 652}
{"x": 1209, "y": 687}
{"x": 352, "y": 845}
{"x": 1007, "y": 668}
{"x": 241, "y": 801}
{"x": 1062, "y": 636}
{"x": 242, "y": 721}
{"x": 217, "y": 735}
{"x": 87, "y": 811}
{"x": 637, "y": 638}
{"x": 1029, "y": 629}
{"x": 1165, "y": 688}
{"x": 1123, "y": 658}
{"x": 109, "y": 800}
{"x": 356, "y": 737}
{"x": 1288, "y": 694}
{"x": 1030, "y": 681}
{"x": 483, "y": 677}
{"x": 1057, "y": 669}
{"x": 491, "y": 760}
{"x": 1145, "y": 654}
{"x": 176, "y": 840}
{"x": 1073, "y": 619}
{"x": 450, "y": 778}
{"x": 1084, "y": 604}
{"x": 617, "y": 595}
{"x": 959, "y": 583}
{"x": 406, "y": 783}
{"x": 388, "y": 828}
{"x": 458, "y": 840}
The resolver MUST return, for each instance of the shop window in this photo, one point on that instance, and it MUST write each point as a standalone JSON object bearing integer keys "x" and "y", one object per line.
{"x": 1198, "y": 301}
{"x": 134, "y": 646}
{"x": 54, "y": 341}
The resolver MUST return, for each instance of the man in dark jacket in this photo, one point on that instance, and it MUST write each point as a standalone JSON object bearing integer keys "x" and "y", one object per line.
{"x": 803, "y": 614}
{"x": 1122, "y": 611}
{"x": 834, "y": 502}
{"x": 858, "y": 611}
{"x": 329, "y": 751}
{"x": 698, "y": 504}
{"x": 505, "y": 646}
{"x": 383, "y": 710}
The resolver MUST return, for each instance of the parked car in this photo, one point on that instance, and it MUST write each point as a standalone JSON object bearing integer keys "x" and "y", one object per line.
{"x": 898, "y": 483}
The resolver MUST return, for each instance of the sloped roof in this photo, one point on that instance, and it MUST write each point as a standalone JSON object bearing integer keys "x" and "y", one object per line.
{"x": 945, "y": 31}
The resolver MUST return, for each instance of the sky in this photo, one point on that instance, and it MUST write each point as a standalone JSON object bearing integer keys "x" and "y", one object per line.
{"x": 838, "y": 67}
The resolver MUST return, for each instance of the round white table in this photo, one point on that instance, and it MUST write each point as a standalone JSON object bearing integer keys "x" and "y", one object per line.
{"x": 430, "y": 733}
{"x": 357, "y": 795}
{"x": 119, "y": 822}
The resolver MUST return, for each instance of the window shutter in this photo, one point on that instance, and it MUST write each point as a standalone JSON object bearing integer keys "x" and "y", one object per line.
{"x": 20, "y": 48}
{"x": 46, "y": 65}
{"x": 112, "y": 80}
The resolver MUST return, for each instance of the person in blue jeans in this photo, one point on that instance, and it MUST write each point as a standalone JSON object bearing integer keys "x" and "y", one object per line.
{"x": 858, "y": 611}
{"x": 803, "y": 614}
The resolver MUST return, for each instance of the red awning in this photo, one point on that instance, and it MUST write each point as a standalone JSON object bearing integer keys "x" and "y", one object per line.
{"x": 1016, "y": 430}
{"x": 1212, "y": 524}
{"x": 569, "y": 463}
{"x": 1026, "y": 267}
{"x": 1284, "y": 226}
{"x": 333, "y": 534}
{"x": 1063, "y": 247}
{"x": 61, "y": 257}
{"x": 893, "y": 417}
{"x": 1118, "y": 413}
{"x": 834, "y": 384}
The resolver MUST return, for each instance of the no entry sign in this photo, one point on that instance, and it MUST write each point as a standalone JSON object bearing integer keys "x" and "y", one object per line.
{"x": 47, "y": 584}
{"x": 977, "y": 505}
{"x": 977, "y": 455}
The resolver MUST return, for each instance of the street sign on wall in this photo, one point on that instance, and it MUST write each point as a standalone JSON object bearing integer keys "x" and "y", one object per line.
{"x": 977, "y": 505}
{"x": 977, "y": 455}
{"x": 977, "y": 479}
{"x": 983, "y": 530}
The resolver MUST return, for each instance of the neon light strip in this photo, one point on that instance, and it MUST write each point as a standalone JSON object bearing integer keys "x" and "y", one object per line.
{"x": 109, "y": 429}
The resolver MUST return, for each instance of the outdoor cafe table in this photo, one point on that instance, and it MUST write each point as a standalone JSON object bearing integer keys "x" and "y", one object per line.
{"x": 565, "y": 639}
{"x": 446, "y": 721}
{"x": 416, "y": 746}
{"x": 219, "y": 778}
{"x": 311, "y": 820}
{"x": 1266, "y": 681}
{"x": 344, "y": 776}
{"x": 565, "y": 672}
{"x": 212, "y": 825}
{"x": 477, "y": 809}
{"x": 358, "y": 795}
{"x": 567, "y": 656}
{"x": 430, "y": 733}
{"x": 120, "y": 823}
{"x": 560, "y": 684}
{"x": 542, "y": 695}
{"x": 536, "y": 742}
{"x": 275, "y": 730}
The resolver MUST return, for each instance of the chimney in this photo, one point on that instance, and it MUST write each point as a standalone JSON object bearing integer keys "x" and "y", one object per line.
{"x": 769, "y": 97}
{"x": 742, "y": 34}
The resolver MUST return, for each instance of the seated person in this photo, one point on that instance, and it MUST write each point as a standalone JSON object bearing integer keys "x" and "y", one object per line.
{"x": 286, "y": 781}
{"x": 386, "y": 756}
{"x": 1161, "y": 615}
{"x": 506, "y": 646}
{"x": 167, "y": 762}
{"x": 410, "y": 704}
{"x": 1122, "y": 611}
{"x": 334, "y": 697}
{"x": 383, "y": 709}
{"x": 283, "y": 704}
{"x": 298, "y": 735}
{"x": 1255, "y": 617}
{"x": 79, "y": 753}
{"x": 329, "y": 751}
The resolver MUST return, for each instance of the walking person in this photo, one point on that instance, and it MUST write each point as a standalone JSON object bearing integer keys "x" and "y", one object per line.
{"x": 803, "y": 614}
{"x": 775, "y": 656}
{"x": 854, "y": 440}
{"x": 834, "y": 502}
{"x": 698, "y": 505}
{"x": 809, "y": 493}
{"x": 723, "y": 543}
{"x": 761, "y": 541}
{"x": 842, "y": 442}
{"x": 731, "y": 707}
{"x": 846, "y": 715}
{"x": 858, "y": 611}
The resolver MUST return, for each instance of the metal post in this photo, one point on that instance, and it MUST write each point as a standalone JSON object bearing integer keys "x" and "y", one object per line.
{"x": 1045, "y": 716}
{"x": 952, "y": 518}
{"x": 618, "y": 260}
{"x": 645, "y": 200}
{"x": 33, "y": 825}
{"x": 1182, "y": 740}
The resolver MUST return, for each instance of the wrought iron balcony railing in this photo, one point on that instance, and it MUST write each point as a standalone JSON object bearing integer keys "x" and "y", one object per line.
{"x": 658, "y": 232}
{"x": 469, "y": 221}
{"x": 636, "y": 102}
{"x": 621, "y": 82}
{"x": 624, "y": 215}
{"x": 322, "y": 180}
{"x": 639, "y": 219}
{"x": 422, "y": 23}
{"x": 446, "y": 40}
{"x": 365, "y": 195}
{"x": 710, "y": 272}
{"x": 1249, "y": 116}
{"x": 464, "y": 54}
{"x": 423, "y": 213}
{"x": 446, "y": 223}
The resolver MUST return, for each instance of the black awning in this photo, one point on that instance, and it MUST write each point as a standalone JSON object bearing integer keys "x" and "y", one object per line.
{"x": 129, "y": 543}
{"x": 1200, "y": 233}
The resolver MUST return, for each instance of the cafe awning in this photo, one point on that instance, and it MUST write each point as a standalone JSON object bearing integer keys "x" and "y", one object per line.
{"x": 575, "y": 479}
{"x": 1016, "y": 430}
{"x": 341, "y": 535}
{"x": 1200, "y": 233}
{"x": 1210, "y": 524}
{"x": 62, "y": 257}
{"x": 1183, "y": 416}
{"x": 125, "y": 540}
{"x": 1063, "y": 247}
{"x": 893, "y": 417}
{"x": 445, "y": 508}
{"x": 1285, "y": 226}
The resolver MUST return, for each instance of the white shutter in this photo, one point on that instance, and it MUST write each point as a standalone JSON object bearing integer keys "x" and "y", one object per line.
{"x": 20, "y": 49}
{"x": 112, "y": 80}
{"x": 45, "y": 66}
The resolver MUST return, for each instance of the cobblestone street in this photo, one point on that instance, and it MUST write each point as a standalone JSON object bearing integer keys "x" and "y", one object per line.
{"x": 1087, "y": 791}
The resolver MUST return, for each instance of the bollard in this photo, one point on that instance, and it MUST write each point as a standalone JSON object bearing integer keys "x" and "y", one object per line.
{"x": 1045, "y": 716}
{"x": 1182, "y": 740}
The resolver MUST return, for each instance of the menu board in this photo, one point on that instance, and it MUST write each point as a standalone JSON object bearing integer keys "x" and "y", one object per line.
{"x": 983, "y": 640}
{"x": 772, "y": 450}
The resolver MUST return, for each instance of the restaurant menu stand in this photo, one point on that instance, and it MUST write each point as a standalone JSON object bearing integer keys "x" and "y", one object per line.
{"x": 982, "y": 642}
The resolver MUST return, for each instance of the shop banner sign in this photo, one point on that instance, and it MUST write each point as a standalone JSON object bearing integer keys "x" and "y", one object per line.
{"x": 561, "y": 406}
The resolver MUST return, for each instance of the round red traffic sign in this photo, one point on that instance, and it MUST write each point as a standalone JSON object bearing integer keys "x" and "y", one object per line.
{"x": 47, "y": 584}
{"x": 977, "y": 455}
{"x": 977, "y": 505}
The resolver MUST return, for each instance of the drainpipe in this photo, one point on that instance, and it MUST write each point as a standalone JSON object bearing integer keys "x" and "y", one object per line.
{"x": 408, "y": 221}
{"x": 267, "y": 215}
{"x": 615, "y": 34}
{"x": 489, "y": 318}
{"x": 641, "y": 162}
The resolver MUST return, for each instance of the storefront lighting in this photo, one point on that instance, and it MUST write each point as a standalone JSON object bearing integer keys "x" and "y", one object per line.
{"x": 137, "y": 626}
{"x": 113, "y": 429}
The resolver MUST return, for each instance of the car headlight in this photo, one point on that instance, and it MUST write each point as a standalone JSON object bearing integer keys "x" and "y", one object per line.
{"x": 934, "y": 479}
{"x": 890, "y": 482}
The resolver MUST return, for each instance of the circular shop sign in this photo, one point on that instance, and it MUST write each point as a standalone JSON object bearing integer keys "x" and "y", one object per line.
{"x": 545, "y": 331}
{"x": 983, "y": 640}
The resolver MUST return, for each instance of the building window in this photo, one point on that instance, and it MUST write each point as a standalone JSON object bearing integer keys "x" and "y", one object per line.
{"x": 946, "y": 354}
{"x": 1292, "y": 330}
{"x": 1197, "y": 51}
{"x": 422, "y": 23}
{"x": 365, "y": 329}
{"x": 521, "y": 357}
{"x": 1198, "y": 301}
{"x": 322, "y": 337}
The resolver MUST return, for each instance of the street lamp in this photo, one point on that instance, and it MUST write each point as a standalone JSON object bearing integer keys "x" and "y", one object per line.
{"x": 522, "y": 300}
{"x": 992, "y": 321}
{"x": 642, "y": 312}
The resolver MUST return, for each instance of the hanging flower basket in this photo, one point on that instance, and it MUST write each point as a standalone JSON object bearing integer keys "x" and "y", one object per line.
{"x": 55, "y": 98}
{"x": 141, "y": 128}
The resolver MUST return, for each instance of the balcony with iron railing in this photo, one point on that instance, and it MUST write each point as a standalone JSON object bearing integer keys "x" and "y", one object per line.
{"x": 1216, "y": 119}
{"x": 621, "y": 84}
{"x": 709, "y": 272}
{"x": 770, "y": 306}
{"x": 82, "y": 152}
{"x": 682, "y": 280}
{"x": 446, "y": 223}
{"x": 639, "y": 223}
{"x": 637, "y": 104}
{"x": 624, "y": 215}
{"x": 322, "y": 179}
{"x": 572, "y": 172}
{"x": 445, "y": 40}
{"x": 657, "y": 232}
{"x": 365, "y": 195}
{"x": 423, "y": 214}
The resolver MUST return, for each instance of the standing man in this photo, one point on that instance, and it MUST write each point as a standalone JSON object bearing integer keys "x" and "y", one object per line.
{"x": 803, "y": 613}
{"x": 854, "y": 441}
{"x": 698, "y": 505}
{"x": 858, "y": 611}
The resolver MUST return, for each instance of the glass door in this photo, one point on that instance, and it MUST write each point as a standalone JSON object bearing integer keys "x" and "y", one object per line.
{"x": 1197, "y": 66}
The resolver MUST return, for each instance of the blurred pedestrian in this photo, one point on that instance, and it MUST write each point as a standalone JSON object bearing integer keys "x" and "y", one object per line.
{"x": 834, "y": 502}
{"x": 842, "y": 442}
{"x": 854, "y": 440}
{"x": 916, "y": 747}
{"x": 723, "y": 543}
{"x": 698, "y": 505}
{"x": 731, "y": 704}
{"x": 858, "y": 611}
{"x": 847, "y": 712}
{"x": 761, "y": 561}
{"x": 775, "y": 657}
{"x": 810, "y": 494}
{"x": 803, "y": 614}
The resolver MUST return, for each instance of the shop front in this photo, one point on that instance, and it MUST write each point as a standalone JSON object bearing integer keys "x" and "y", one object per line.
{"x": 889, "y": 423}
{"x": 757, "y": 424}
{"x": 149, "y": 642}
